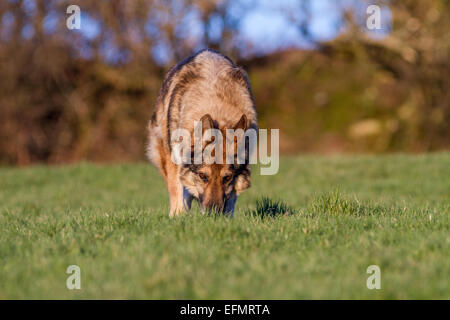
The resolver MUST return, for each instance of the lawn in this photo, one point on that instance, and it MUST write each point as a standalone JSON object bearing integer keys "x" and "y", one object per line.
{"x": 348, "y": 212}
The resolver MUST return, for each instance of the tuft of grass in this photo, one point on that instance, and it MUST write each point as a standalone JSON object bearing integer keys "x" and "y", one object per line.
{"x": 266, "y": 207}
{"x": 335, "y": 204}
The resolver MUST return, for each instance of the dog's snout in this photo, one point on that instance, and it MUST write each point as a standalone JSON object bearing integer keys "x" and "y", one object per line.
{"x": 214, "y": 204}
{"x": 214, "y": 207}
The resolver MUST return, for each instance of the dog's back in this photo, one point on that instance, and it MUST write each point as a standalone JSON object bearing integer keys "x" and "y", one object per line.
{"x": 205, "y": 83}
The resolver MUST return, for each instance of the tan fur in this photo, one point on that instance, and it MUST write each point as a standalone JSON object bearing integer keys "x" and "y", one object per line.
{"x": 207, "y": 86}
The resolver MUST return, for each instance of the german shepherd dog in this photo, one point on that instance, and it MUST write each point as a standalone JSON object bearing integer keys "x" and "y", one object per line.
{"x": 210, "y": 89}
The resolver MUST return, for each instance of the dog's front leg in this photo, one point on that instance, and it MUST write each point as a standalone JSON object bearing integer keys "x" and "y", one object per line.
{"x": 228, "y": 208}
{"x": 187, "y": 199}
{"x": 176, "y": 199}
{"x": 175, "y": 190}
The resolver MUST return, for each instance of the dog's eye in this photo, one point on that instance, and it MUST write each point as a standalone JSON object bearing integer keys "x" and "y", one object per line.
{"x": 226, "y": 179}
{"x": 203, "y": 176}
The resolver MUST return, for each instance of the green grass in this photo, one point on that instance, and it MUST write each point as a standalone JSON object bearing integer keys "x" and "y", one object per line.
{"x": 345, "y": 213}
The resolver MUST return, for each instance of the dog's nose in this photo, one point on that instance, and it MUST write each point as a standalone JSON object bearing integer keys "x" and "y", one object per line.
{"x": 216, "y": 208}
{"x": 213, "y": 208}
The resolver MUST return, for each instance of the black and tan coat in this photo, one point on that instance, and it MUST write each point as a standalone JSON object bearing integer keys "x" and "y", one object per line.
{"x": 206, "y": 87}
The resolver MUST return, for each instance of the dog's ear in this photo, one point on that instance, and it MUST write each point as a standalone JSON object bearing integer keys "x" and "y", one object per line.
{"x": 242, "y": 181}
{"x": 207, "y": 122}
{"x": 242, "y": 123}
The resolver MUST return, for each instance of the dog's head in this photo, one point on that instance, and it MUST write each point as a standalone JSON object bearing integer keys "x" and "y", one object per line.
{"x": 215, "y": 184}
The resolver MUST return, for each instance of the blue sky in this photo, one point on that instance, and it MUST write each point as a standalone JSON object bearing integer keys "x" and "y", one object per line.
{"x": 268, "y": 24}
{"x": 265, "y": 26}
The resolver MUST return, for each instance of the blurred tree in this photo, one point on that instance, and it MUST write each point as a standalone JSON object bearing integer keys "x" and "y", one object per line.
{"x": 67, "y": 95}
{"x": 416, "y": 52}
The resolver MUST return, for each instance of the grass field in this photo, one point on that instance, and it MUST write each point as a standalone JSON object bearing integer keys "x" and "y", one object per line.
{"x": 112, "y": 221}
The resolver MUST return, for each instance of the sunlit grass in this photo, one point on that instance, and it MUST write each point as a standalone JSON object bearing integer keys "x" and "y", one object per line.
{"x": 310, "y": 231}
